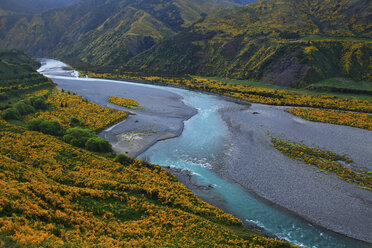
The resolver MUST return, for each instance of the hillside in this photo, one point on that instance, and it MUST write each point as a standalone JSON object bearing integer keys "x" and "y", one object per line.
{"x": 106, "y": 32}
{"x": 284, "y": 42}
{"x": 18, "y": 77}
{"x": 34, "y": 6}
{"x": 243, "y": 1}
{"x": 54, "y": 194}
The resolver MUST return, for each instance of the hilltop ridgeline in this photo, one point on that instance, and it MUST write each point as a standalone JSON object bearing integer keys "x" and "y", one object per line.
{"x": 287, "y": 42}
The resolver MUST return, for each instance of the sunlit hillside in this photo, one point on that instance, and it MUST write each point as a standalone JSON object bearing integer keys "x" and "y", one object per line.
{"x": 286, "y": 42}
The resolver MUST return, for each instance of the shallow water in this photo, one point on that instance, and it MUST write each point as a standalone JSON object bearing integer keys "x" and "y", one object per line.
{"x": 203, "y": 145}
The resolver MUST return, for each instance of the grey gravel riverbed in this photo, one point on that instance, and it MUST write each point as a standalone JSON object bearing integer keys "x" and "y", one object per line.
{"x": 322, "y": 199}
{"x": 161, "y": 114}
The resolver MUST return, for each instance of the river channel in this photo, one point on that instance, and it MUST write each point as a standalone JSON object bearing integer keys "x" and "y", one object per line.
{"x": 206, "y": 147}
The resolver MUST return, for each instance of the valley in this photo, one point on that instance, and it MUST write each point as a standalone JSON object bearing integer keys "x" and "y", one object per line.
{"x": 235, "y": 143}
{"x": 185, "y": 123}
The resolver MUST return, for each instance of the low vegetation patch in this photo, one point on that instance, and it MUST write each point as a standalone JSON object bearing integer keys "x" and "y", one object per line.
{"x": 24, "y": 107}
{"x": 251, "y": 93}
{"x": 335, "y": 117}
{"x": 70, "y": 110}
{"x": 326, "y": 161}
{"x": 124, "y": 102}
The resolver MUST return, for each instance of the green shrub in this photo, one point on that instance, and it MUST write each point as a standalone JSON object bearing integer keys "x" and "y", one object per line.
{"x": 38, "y": 102}
{"x": 74, "y": 122}
{"x": 3, "y": 97}
{"x": 78, "y": 136}
{"x": 51, "y": 127}
{"x": 97, "y": 144}
{"x": 10, "y": 114}
{"x": 34, "y": 125}
{"x": 24, "y": 108}
{"x": 45, "y": 126}
{"x": 123, "y": 159}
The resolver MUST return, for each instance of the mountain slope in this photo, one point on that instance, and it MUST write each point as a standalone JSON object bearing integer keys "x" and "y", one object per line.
{"x": 103, "y": 31}
{"x": 32, "y": 6}
{"x": 18, "y": 77}
{"x": 280, "y": 42}
{"x": 283, "y": 42}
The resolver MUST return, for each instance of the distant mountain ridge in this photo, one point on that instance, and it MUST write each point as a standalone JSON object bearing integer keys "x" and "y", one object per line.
{"x": 32, "y": 6}
{"x": 244, "y": 1}
{"x": 101, "y": 29}
{"x": 284, "y": 42}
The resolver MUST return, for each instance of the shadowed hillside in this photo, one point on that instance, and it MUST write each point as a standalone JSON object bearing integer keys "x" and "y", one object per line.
{"x": 107, "y": 32}
{"x": 18, "y": 77}
{"x": 32, "y": 6}
{"x": 287, "y": 42}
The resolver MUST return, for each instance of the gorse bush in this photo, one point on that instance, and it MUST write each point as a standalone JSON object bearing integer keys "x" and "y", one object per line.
{"x": 252, "y": 93}
{"x": 327, "y": 161}
{"x": 53, "y": 194}
{"x": 77, "y": 111}
{"x": 124, "y": 102}
{"x": 334, "y": 117}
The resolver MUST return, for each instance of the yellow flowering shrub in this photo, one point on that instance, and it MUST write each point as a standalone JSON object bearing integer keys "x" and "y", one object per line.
{"x": 66, "y": 105}
{"x": 39, "y": 93}
{"x": 53, "y": 194}
{"x": 124, "y": 102}
{"x": 327, "y": 161}
{"x": 253, "y": 94}
{"x": 336, "y": 117}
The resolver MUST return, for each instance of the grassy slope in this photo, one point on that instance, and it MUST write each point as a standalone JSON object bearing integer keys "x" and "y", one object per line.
{"x": 279, "y": 42}
{"x": 18, "y": 77}
{"x": 340, "y": 83}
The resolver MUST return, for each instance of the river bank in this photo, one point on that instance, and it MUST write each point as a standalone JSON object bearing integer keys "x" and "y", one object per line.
{"x": 161, "y": 114}
{"x": 324, "y": 200}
